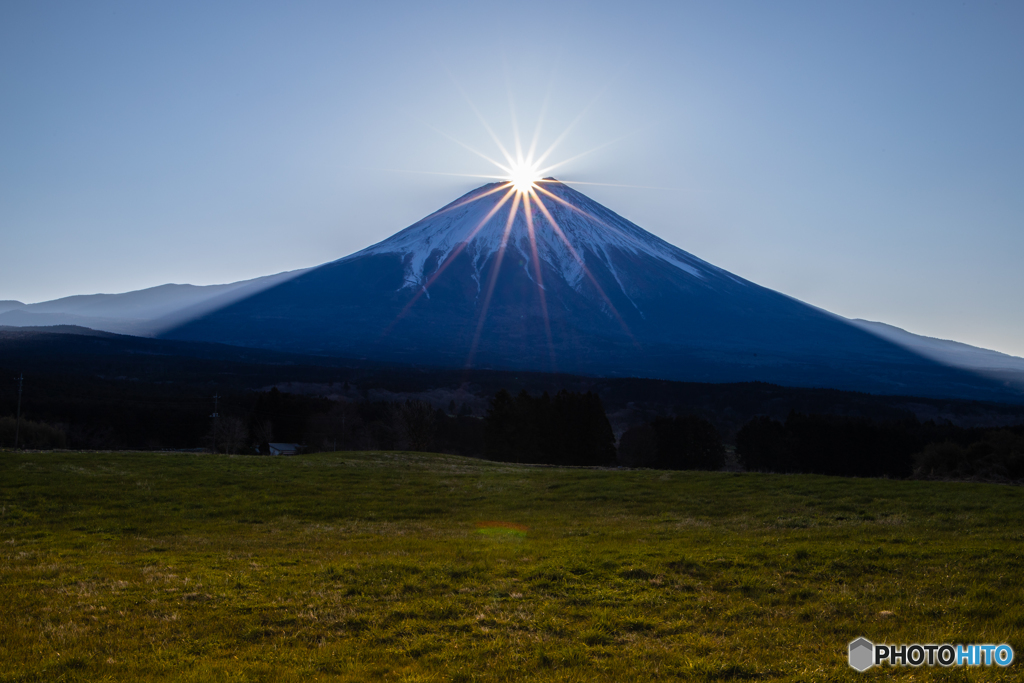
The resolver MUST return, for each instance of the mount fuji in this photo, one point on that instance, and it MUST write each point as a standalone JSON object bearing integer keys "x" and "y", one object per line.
{"x": 550, "y": 280}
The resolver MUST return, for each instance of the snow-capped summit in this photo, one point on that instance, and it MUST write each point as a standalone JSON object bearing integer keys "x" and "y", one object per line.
{"x": 569, "y": 229}
{"x": 583, "y": 291}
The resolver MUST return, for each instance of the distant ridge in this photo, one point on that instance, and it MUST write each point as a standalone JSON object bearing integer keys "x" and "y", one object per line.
{"x": 144, "y": 312}
{"x": 945, "y": 351}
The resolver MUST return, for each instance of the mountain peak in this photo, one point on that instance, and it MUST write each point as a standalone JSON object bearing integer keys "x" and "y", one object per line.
{"x": 547, "y": 279}
{"x": 553, "y": 224}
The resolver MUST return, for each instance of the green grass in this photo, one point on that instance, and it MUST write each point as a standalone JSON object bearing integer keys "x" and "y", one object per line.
{"x": 416, "y": 567}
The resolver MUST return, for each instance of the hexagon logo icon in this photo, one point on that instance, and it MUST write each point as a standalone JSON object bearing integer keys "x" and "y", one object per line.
{"x": 862, "y": 653}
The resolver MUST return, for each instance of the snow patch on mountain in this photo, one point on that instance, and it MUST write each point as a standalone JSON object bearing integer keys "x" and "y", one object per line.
{"x": 477, "y": 225}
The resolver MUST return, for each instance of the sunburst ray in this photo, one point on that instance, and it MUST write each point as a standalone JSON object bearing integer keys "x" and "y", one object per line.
{"x": 548, "y": 169}
{"x": 596, "y": 219}
{"x": 483, "y": 122}
{"x": 564, "y": 181}
{"x": 515, "y": 120}
{"x": 528, "y": 211}
{"x": 558, "y": 230}
{"x": 540, "y": 117}
{"x": 495, "y": 270}
{"x": 551, "y": 148}
{"x": 465, "y": 202}
{"x": 460, "y": 143}
{"x": 451, "y": 257}
{"x": 524, "y": 175}
{"x": 457, "y": 175}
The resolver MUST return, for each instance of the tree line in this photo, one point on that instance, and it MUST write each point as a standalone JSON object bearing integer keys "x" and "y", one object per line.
{"x": 320, "y": 424}
{"x": 566, "y": 428}
{"x": 859, "y": 447}
{"x": 569, "y": 428}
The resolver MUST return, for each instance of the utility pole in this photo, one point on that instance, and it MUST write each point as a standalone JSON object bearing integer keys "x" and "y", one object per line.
{"x": 17, "y": 427}
{"x": 215, "y": 417}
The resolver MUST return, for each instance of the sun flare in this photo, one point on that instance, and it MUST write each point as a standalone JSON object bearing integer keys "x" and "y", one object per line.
{"x": 523, "y": 176}
{"x": 523, "y": 171}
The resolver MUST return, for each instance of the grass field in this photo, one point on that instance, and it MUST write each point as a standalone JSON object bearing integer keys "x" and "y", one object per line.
{"x": 417, "y": 567}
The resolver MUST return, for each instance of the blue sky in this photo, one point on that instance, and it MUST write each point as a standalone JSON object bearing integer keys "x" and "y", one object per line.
{"x": 865, "y": 157}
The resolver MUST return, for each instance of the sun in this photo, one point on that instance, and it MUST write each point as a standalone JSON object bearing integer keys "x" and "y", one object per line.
{"x": 523, "y": 176}
{"x": 522, "y": 172}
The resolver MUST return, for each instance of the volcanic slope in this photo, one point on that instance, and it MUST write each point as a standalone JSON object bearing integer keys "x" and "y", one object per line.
{"x": 561, "y": 283}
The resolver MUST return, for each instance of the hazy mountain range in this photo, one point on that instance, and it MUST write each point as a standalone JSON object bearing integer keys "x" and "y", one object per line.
{"x": 144, "y": 312}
